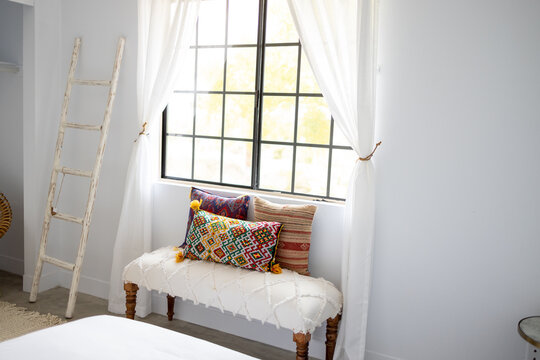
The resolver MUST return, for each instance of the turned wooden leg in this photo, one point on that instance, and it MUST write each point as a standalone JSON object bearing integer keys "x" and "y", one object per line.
{"x": 170, "y": 306}
{"x": 331, "y": 336}
{"x": 131, "y": 299}
{"x": 302, "y": 343}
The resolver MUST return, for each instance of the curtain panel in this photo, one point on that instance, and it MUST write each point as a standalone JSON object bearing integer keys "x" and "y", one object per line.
{"x": 340, "y": 41}
{"x": 165, "y": 28}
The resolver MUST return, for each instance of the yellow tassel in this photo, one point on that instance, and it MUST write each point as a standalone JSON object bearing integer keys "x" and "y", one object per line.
{"x": 276, "y": 269}
{"x": 176, "y": 248}
{"x": 179, "y": 257}
{"x": 195, "y": 205}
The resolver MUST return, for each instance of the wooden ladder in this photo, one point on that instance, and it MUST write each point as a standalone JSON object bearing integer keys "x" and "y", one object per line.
{"x": 93, "y": 175}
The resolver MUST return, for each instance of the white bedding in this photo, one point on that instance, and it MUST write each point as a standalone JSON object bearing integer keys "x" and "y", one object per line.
{"x": 109, "y": 337}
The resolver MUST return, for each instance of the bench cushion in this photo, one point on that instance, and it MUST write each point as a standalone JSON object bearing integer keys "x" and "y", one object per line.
{"x": 289, "y": 300}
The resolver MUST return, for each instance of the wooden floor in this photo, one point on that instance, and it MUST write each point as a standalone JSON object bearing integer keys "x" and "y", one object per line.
{"x": 54, "y": 301}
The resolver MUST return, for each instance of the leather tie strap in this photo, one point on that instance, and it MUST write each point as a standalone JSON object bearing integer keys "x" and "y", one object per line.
{"x": 367, "y": 158}
{"x": 143, "y": 131}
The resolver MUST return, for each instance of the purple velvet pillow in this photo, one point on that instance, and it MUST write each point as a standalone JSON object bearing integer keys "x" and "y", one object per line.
{"x": 236, "y": 208}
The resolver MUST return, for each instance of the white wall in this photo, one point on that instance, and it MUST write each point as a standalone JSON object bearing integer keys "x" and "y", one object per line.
{"x": 42, "y": 104}
{"x": 11, "y": 134}
{"x": 457, "y": 234}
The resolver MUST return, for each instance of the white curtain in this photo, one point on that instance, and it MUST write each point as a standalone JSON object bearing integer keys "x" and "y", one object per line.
{"x": 340, "y": 41}
{"x": 165, "y": 30}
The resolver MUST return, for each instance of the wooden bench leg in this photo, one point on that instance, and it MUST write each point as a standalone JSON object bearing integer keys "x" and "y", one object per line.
{"x": 170, "y": 306}
{"x": 302, "y": 343}
{"x": 131, "y": 299}
{"x": 331, "y": 336}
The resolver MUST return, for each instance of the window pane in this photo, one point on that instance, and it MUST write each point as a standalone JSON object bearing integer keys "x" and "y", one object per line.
{"x": 239, "y": 110}
{"x": 210, "y": 64}
{"x": 212, "y": 22}
{"x": 178, "y": 157}
{"x": 186, "y": 78}
{"x": 237, "y": 162}
{"x": 342, "y": 165}
{"x": 339, "y": 138}
{"x": 209, "y": 115}
{"x": 215, "y": 99}
{"x": 279, "y": 23}
{"x": 280, "y": 63}
{"x": 308, "y": 84}
{"x": 207, "y": 159}
{"x": 311, "y": 170}
{"x": 278, "y": 118}
{"x": 243, "y": 21}
{"x": 313, "y": 121}
{"x": 180, "y": 114}
{"x": 241, "y": 69}
{"x": 276, "y": 167}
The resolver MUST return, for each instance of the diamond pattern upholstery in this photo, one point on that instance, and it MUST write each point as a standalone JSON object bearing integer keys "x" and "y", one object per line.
{"x": 288, "y": 300}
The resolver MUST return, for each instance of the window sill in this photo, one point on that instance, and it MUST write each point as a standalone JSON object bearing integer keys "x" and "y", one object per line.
{"x": 240, "y": 191}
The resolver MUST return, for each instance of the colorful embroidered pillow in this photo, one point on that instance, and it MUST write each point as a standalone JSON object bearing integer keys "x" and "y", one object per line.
{"x": 236, "y": 208}
{"x": 295, "y": 238}
{"x": 246, "y": 244}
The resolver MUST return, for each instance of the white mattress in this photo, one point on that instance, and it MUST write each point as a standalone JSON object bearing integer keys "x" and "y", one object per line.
{"x": 109, "y": 337}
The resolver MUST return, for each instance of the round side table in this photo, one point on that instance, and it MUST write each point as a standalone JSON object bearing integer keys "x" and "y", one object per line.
{"x": 529, "y": 329}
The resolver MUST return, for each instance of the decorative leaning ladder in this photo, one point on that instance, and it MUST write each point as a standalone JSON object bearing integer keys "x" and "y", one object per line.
{"x": 93, "y": 175}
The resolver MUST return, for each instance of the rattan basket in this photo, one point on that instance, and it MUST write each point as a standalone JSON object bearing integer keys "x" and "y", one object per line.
{"x": 5, "y": 215}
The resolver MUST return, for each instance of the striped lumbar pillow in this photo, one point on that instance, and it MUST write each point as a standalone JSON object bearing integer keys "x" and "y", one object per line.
{"x": 295, "y": 238}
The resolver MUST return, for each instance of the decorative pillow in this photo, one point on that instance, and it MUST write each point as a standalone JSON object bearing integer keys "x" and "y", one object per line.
{"x": 294, "y": 241}
{"x": 246, "y": 244}
{"x": 236, "y": 208}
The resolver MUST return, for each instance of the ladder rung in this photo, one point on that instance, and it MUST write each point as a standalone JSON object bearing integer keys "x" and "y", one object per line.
{"x": 57, "y": 262}
{"x": 67, "y": 217}
{"x": 83, "y": 127}
{"x": 92, "y": 82}
{"x": 69, "y": 171}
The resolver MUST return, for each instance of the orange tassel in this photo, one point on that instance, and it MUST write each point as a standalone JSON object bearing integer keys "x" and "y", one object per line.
{"x": 179, "y": 257}
{"x": 276, "y": 269}
{"x": 195, "y": 205}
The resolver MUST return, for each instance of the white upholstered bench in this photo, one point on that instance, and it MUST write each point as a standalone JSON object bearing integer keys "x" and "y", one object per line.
{"x": 288, "y": 300}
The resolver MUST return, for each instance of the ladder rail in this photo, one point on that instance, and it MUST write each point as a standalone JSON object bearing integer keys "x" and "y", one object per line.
{"x": 92, "y": 82}
{"x": 59, "y": 263}
{"x": 54, "y": 174}
{"x": 83, "y": 127}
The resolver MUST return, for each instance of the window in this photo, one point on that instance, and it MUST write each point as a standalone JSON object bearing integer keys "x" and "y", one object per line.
{"x": 247, "y": 110}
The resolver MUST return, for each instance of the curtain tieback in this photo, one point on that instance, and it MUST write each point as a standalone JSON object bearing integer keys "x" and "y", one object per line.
{"x": 143, "y": 131}
{"x": 367, "y": 158}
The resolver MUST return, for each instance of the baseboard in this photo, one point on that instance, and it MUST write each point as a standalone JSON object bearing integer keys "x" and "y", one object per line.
{"x": 48, "y": 281}
{"x": 372, "y": 355}
{"x": 239, "y": 326}
{"x": 87, "y": 285}
{"x": 11, "y": 264}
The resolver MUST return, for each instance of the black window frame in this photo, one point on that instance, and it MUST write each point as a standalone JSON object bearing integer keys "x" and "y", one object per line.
{"x": 259, "y": 95}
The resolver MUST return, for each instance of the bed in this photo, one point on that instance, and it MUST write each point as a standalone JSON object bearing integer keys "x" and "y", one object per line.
{"x": 110, "y": 337}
